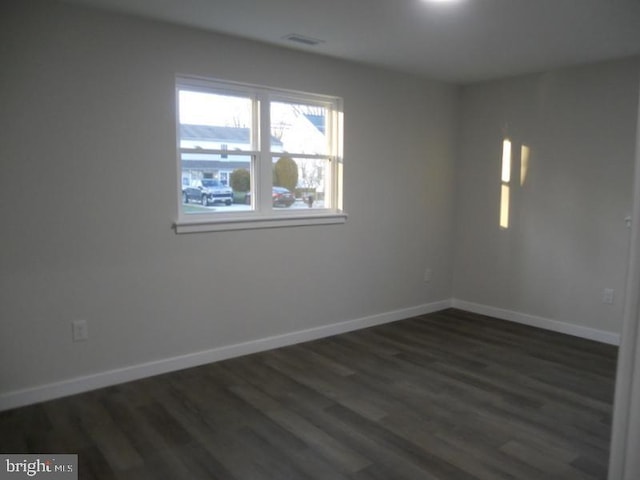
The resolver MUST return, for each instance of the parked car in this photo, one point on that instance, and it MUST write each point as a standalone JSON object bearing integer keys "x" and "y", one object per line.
{"x": 280, "y": 196}
{"x": 207, "y": 192}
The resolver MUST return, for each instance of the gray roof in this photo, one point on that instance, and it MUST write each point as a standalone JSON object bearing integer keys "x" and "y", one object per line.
{"x": 210, "y": 133}
{"x": 213, "y": 165}
{"x": 317, "y": 121}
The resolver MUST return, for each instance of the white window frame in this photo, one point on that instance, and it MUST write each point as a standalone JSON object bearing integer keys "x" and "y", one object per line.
{"x": 263, "y": 215}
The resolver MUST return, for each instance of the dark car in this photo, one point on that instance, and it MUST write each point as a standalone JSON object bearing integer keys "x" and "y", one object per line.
{"x": 281, "y": 197}
{"x": 207, "y": 192}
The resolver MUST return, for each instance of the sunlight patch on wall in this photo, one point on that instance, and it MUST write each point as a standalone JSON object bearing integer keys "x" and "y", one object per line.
{"x": 505, "y": 190}
{"x": 525, "y": 154}
{"x": 506, "y": 161}
{"x": 504, "y": 207}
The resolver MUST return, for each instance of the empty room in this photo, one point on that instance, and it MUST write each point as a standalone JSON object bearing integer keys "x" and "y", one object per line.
{"x": 349, "y": 239}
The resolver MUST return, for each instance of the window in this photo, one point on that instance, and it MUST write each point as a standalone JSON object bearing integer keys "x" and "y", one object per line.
{"x": 256, "y": 157}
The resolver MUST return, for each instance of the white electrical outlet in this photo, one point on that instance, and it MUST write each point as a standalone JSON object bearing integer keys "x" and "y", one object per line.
{"x": 79, "y": 330}
{"x": 607, "y": 296}
{"x": 427, "y": 275}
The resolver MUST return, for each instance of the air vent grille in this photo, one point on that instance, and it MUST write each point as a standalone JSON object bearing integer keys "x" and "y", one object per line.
{"x": 303, "y": 40}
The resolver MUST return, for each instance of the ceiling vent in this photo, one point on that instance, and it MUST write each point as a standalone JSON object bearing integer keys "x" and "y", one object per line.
{"x": 301, "y": 39}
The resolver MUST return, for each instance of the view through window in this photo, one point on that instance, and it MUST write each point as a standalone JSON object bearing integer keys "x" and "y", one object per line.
{"x": 251, "y": 152}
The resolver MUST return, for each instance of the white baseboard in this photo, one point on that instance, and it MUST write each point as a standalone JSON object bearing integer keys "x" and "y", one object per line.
{"x": 72, "y": 386}
{"x": 540, "y": 322}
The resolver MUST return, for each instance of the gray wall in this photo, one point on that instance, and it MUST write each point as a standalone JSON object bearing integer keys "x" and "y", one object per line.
{"x": 88, "y": 198}
{"x": 567, "y": 239}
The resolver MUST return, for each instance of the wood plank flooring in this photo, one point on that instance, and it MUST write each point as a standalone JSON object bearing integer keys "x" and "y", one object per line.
{"x": 448, "y": 396}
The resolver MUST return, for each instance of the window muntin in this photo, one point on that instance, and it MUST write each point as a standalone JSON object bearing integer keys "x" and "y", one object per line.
{"x": 221, "y": 137}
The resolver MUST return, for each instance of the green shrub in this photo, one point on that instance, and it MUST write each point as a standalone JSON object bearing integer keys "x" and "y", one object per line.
{"x": 285, "y": 173}
{"x": 240, "y": 180}
{"x": 240, "y": 197}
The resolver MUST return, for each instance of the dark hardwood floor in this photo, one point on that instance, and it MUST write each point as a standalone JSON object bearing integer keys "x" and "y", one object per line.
{"x": 450, "y": 396}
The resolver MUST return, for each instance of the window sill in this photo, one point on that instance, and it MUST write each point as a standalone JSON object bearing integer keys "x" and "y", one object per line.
{"x": 238, "y": 223}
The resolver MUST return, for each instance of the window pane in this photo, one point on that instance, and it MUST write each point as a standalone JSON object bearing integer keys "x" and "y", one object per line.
{"x": 299, "y": 128}
{"x": 300, "y": 182}
{"x": 214, "y": 121}
{"x": 211, "y": 184}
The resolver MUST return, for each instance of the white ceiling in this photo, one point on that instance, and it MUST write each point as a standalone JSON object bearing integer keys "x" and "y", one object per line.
{"x": 458, "y": 41}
